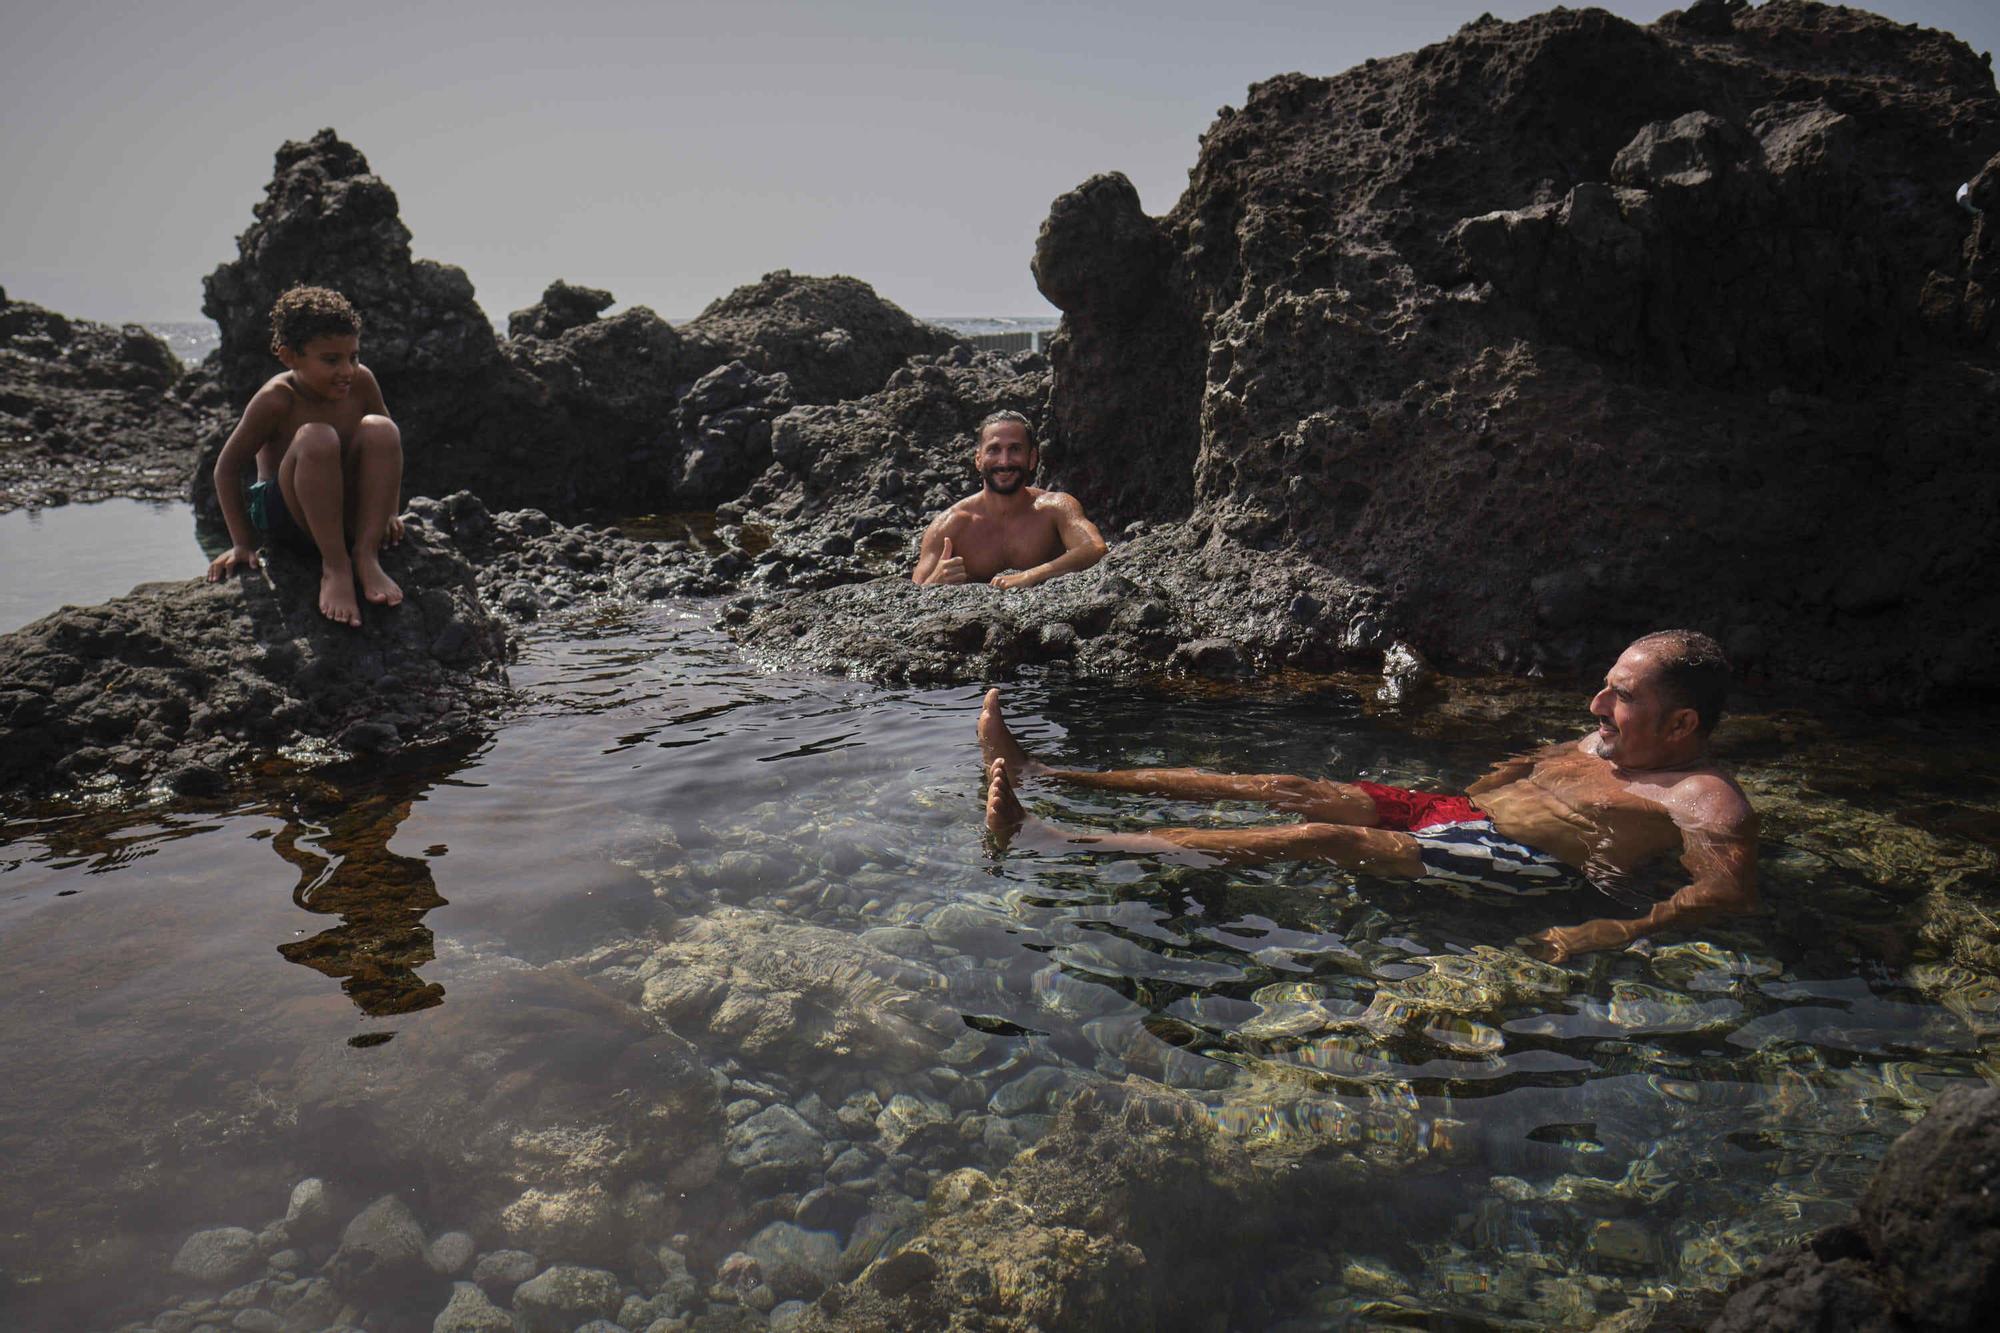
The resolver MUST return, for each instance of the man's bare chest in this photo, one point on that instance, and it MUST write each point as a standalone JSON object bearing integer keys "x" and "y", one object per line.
{"x": 991, "y": 547}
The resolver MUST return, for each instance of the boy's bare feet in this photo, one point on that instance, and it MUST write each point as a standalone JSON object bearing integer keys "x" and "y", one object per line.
{"x": 336, "y": 597}
{"x": 996, "y": 742}
{"x": 376, "y": 585}
{"x": 1004, "y": 815}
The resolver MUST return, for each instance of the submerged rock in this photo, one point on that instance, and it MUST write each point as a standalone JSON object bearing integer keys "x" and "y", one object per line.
{"x": 1130, "y": 1214}
{"x": 503, "y": 1100}
{"x": 783, "y": 992}
{"x": 382, "y": 1251}
{"x": 178, "y": 682}
{"x": 217, "y": 1255}
{"x": 566, "y": 1297}
{"x": 1923, "y": 1251}
{"x": 469, "y": 1311}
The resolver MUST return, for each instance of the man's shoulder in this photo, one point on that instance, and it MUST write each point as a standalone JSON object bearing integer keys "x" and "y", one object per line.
{"x": 1061, "y": 501}
{"x": 1716, "y": 797}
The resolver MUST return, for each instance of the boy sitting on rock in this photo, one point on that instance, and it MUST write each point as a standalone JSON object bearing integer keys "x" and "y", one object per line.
{"x": 329, "y": 459}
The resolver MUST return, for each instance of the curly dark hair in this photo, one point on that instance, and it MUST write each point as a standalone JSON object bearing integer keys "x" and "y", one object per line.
{"x": 305, "y": 313}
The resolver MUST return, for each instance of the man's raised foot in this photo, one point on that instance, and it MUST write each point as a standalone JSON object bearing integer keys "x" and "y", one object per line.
{"x": 996, "y": 742}
{"x": 1004, "y": 815}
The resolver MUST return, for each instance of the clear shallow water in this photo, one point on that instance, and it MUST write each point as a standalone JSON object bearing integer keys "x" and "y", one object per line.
{"x": 88, "y": 553}
{"x": 200, "y": 1005}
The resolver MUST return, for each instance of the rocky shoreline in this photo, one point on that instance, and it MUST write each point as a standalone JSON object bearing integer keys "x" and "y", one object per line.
{"x": 1495, "y": 353}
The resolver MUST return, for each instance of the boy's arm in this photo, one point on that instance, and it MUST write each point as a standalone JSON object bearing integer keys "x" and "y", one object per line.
{"x": 1083, "y": 545}
{"x": 371, "y": 392}
{"x": 260, "y": 419}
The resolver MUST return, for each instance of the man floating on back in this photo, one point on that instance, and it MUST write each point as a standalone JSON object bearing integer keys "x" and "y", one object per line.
{"x": 1010, "y": 534}
{"x": 329, "y": 460}
{"x": 1642, "y": 786}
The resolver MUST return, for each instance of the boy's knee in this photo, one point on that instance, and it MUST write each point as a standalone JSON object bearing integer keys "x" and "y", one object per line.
{"x": 316, "y": 439}
{"x": 376, "y": 431}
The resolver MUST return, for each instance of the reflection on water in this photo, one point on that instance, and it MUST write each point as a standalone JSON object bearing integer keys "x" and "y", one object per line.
{"x": 339, "y": 841}
{"x": 667, "y": 843}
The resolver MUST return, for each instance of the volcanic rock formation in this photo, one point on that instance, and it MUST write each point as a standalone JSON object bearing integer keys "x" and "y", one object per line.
{"x": 88, "y": 411}
{"x": 176, "y": 682}
{"x": 1561, "y": 330}
{"x": 573, "y": 411}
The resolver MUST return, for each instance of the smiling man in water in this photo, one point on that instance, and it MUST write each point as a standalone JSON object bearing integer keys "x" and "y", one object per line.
{"x": 1642, "y": 786}
{"x": 1009, "y": 534}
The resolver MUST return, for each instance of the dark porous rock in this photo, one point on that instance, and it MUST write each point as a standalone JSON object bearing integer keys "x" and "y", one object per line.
{"x": 1616, "y": 314}
{"x": 1129, "y": 1214}
{"x": 1132, "y": 439}
{"x": 851, "y": 486}
{"x": 180, "y": 681}
{"x": 725, "y": 421}
{"x": 561, "y": 309}
{"x": 1923, "y": 1252}
{"x": 573, "y": 413}
{"x": 529, "y": 565}
{"x": 834, "y": 337}
{"x": 1173, "y": 600}
{"x": 89, "y": 411}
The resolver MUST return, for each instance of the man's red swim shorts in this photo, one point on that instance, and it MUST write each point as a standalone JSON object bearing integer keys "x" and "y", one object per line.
{"x": 1403, "y": 810}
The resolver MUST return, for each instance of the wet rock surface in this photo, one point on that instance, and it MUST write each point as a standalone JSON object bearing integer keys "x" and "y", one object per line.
{"x": 529, "y": 565}
{"x": 1160, "y": 603}
{"x": 1614, "y": 314}
{"x": 180, "y": 682}
{"x": 88, "y": 411}
{"x": 1923, "y": 1251}
{"x": 1110, "y": 1222}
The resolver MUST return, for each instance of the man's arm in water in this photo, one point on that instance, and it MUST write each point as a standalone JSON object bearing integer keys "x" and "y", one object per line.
{"x": 935, "y": 561}
{"x": 1083, "y": 544}
{"x": 1721, "y": 862}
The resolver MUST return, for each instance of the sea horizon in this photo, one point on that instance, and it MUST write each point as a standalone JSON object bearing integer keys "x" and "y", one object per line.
{"x": 193, "y": 339}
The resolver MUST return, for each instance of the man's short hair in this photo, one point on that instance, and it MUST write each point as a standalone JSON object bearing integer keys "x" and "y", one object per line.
{"x": 1693, "y": 672}
{"x": 305, "y": 313}
{"x": 1005, "y": 414}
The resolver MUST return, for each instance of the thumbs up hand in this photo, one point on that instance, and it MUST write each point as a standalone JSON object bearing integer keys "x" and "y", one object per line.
{"x": 950, "y": 568}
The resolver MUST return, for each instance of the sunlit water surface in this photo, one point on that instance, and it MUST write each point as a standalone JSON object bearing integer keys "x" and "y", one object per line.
{"x": 199, "y": 1004}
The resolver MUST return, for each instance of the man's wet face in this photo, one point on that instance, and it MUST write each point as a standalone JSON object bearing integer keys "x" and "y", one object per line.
{"x": 1004, "y": 458}
{"x": 1636, "y": 727}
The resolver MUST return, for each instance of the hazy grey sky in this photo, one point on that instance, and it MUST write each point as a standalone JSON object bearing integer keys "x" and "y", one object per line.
{"x": 667, "y": 151}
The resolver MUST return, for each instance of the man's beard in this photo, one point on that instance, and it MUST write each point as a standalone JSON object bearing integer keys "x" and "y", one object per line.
{"x": 1020, "y": 480}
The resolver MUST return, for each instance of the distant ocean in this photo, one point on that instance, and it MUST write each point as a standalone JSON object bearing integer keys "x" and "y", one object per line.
{"x": 193, "y": 339}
